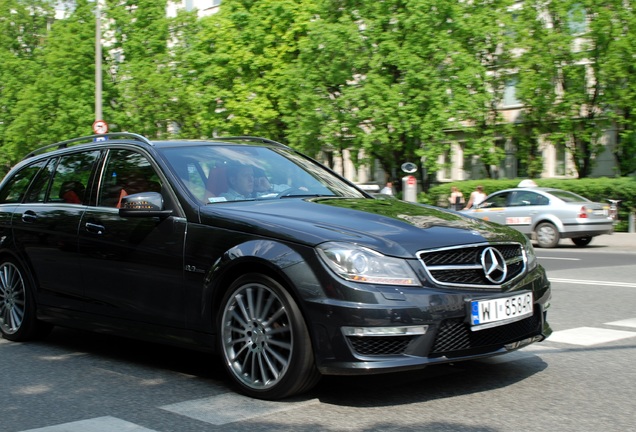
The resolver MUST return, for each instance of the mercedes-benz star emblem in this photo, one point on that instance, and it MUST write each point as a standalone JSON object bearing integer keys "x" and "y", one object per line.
{"x": 494, "y": 265}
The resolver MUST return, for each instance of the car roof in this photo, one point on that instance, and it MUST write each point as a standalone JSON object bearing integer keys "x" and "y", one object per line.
{"x": 534, "y": 188}
{"x": 96, "y": 141}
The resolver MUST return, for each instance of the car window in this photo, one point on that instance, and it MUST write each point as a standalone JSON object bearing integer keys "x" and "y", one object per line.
{"x": 16, "y": 187}
{"x": 526, "y": 198}
{"x": 496, "y": 200}
{"x": 568, "y": 196}
{"x": 126, "y": 173}
{"x": 216, "y": 174}
{"x": 71, "y": 178}
{"x": 40, "y": 185}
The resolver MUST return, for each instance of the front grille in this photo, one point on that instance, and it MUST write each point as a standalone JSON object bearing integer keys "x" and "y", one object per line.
{"x": 455, "y": 338}
{"x": 462, "y": 266}
{"x": 379, "y": 345}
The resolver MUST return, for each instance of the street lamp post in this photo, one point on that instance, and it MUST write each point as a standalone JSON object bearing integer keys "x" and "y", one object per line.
{"x": 98, "y": 63}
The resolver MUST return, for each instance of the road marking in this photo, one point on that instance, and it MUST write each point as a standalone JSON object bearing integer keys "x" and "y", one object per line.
{"x": 558, "y": 258}
{"x": 624, "y": 323}
{"x": 98, "y": 424}
{"x": 587, "y": 336}
{"x": 231, "y": 407}
{"x": 592, "y": 282}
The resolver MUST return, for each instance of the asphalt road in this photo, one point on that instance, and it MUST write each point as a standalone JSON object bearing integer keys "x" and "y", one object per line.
{"x": 581, "y": 379}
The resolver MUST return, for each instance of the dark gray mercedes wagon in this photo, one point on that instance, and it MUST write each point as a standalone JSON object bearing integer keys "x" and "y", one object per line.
{"x": 244, "y": 247}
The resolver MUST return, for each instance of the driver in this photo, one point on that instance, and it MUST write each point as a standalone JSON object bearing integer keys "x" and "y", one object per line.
{"x": 240, "y": 180}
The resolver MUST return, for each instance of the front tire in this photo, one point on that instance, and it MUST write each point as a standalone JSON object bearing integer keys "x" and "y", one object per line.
{"x": 18, "y": 320}
{"x": 547, "y": 235}
{"x": 264, "y": 341}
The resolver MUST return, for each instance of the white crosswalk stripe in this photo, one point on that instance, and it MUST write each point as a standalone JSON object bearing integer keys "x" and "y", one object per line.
{"x": 588, "y": 336}
{"x": 98, "y": 424}
{"x": 230, "y": 408}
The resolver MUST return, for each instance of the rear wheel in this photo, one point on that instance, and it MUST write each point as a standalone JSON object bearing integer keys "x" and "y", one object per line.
{"x": 17, "y": 306}
{"x": 264, "y": 340}
{"x": 547, "y": 235}
{"x": 582, "y": 241}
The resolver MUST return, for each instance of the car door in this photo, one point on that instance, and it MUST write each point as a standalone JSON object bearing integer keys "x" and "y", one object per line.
{"x": 133, "y": 266}
{"x": 45, "y": 226}
{"x": 522, "y": 209}
{"x": 493, "y": 208}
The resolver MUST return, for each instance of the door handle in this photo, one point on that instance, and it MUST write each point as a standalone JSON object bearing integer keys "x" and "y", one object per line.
{"x": 95, "y": 228}
{"x": 29, "y": 216}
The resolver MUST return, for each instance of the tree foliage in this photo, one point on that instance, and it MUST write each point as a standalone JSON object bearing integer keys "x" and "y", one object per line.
{"x": 388, "y": 81}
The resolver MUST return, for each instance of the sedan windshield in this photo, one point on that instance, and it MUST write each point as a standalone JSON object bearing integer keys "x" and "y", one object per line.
{"x": 217, "y": 174}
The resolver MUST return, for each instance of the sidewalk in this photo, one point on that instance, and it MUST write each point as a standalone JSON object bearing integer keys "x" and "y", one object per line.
{"x": 619, "y": 242}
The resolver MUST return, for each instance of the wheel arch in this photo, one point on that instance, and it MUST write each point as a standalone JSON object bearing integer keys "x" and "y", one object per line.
{"x": 267, "y": 257}
{"x": 549, "y": 219}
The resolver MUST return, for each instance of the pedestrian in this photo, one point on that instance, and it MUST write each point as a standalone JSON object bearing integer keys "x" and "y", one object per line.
{"x": 388, "y": 189}
{"x": 456, "y": 199}
{"x": 476, "y": 197}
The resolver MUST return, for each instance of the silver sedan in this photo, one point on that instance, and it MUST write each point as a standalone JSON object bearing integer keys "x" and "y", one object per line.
{"x": 546, "y": 214}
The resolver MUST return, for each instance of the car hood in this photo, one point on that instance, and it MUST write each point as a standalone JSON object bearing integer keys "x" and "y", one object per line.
{"x": 389, "y": 226}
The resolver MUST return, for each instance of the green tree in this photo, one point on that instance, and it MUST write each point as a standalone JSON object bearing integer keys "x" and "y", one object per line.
{"x": 23, "y": 30}
{"x": 58, "y": 102}
{"x": 242, "y": 54}
{"x": 564, "y": 78}
{"x": 477, "y": 72}
{"x": 617, "y": 26}
{"x": 138, "y": 36}
{"x": 371, "y": 83}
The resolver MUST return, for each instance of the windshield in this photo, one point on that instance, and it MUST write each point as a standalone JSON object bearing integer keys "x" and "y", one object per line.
{"x": 217, "y": 174}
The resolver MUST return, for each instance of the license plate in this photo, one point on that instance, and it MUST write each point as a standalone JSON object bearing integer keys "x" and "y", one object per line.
{"x": 493, "y": 312}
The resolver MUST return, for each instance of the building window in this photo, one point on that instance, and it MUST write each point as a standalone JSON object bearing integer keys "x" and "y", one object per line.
{"x": 510, "y": 92}
{"x": 560, "y": 159}
{"x": 577, "y": 19}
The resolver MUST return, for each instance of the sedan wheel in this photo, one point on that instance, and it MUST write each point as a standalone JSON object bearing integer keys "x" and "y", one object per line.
{"x": 17, "y": 309}
{"x": 547, "y": 235}
{"x": 264, "y": 339}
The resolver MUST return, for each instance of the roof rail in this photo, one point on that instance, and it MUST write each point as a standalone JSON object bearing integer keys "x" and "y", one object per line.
{"x": 89, "y": 138}
{"x": 251, "y": 139}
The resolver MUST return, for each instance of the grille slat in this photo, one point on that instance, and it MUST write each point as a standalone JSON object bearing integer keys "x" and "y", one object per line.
{"x": 462, "y": 266}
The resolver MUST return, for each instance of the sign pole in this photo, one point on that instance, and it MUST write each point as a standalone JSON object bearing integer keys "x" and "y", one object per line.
{"x": 98, "y": 63}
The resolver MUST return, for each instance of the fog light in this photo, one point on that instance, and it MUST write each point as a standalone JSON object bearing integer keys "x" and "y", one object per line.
{"x": 385, "y": 331}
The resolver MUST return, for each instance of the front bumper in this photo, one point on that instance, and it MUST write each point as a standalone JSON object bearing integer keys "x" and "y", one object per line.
{"x": 448, "y": 338}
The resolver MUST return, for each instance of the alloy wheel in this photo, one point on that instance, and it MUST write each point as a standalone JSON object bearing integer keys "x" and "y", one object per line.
{"x": 257, "y": 336}
{"x": 12, "y": 298}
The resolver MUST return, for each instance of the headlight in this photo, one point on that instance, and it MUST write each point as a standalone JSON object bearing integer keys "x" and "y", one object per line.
{"x": 359, "y": 264}
{"x": 530, "y": 255}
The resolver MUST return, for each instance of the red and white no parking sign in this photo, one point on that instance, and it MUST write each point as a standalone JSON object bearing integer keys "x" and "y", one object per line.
{"x": 100, "y": 127}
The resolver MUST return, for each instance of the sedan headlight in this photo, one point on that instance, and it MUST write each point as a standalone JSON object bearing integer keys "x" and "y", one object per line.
{"x": 359, "y": 264}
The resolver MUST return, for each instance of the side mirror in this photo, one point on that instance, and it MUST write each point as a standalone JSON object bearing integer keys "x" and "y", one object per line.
{"x": 144, "y": 204}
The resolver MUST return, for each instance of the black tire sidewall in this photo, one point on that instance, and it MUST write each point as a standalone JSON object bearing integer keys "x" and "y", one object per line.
{"x": 28, "y": 329}
{"x": 301, "y": 363}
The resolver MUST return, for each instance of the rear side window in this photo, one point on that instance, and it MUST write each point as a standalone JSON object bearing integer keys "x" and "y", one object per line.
{"x": 15, "y": 189}
{"x": 63, "y": 180}
{"x": 71, "y": 178}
